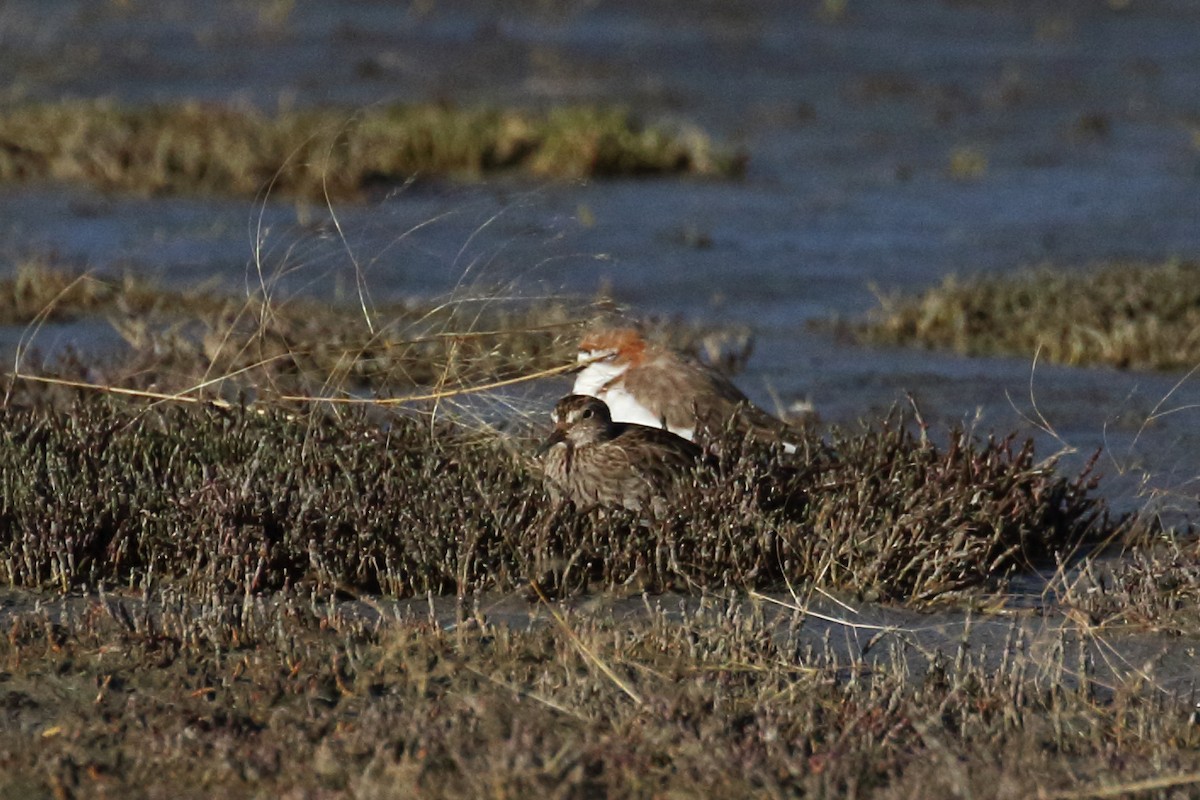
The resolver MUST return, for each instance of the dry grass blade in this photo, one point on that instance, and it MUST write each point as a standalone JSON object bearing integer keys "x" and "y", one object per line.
{"x": 587, "y": 652}
{"x": 189, "y": 396}
{"x": 1125, "y": 789}
{"x": 839, "y": 621}
{"x": 144, "y": 394}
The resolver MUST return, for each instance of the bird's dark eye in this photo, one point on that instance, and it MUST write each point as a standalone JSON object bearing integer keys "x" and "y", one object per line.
{"x": 588, "y": 413}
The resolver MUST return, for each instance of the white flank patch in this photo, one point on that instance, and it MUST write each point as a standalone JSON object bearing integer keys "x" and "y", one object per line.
{"x": 594, "y": 376}
{"x": 624, "y": 407}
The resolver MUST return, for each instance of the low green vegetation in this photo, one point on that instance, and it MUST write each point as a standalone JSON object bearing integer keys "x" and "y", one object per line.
{"x": 252, "y": 592}
{"x": 233, "y": 500}
{"x": 1131, "y": 316}
{"x": 331, "y": 152}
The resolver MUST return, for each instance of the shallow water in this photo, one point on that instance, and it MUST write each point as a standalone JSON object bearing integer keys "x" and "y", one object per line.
{"x": 854, "y": 635}
{"x": 1085, "y": 113}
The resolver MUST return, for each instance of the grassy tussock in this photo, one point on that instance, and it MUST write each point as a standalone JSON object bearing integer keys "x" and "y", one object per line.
{"x": 307, "y": 350}
{"x": 1131, "y": 316}
{"x": 37, "y": 290}
{"x": 1155, "y": 585}
{"x": 229, "y": 347}
{"x": 334, "y": 153}
{"x": 195, "y": 698}
{"x": 256, "y": 500}
{"x": 179, "y": 340}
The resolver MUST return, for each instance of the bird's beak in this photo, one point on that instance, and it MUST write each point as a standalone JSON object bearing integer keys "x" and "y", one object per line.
{"x": 559, "y": 435}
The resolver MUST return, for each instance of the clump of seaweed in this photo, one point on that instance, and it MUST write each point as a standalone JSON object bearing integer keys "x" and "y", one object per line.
{"x": 324, "y": 153}
{"x": 1131, "y": 316}
{"x": 257, "y": 499}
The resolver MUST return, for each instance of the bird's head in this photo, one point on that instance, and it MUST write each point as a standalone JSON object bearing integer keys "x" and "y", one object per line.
{"x": 579, "y": 420}
{"x": 621, "y": 347}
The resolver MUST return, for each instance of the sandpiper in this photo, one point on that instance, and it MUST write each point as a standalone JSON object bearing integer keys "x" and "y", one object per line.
{"x": 594, "y": 461}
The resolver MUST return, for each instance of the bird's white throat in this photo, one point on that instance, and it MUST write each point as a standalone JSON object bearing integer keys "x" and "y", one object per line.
{"x": 593, "y": 379}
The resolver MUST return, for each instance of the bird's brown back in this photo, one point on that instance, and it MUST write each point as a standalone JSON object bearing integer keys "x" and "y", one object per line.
{"x": 688, "y": 394}
{"x": 637, "y": 467}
